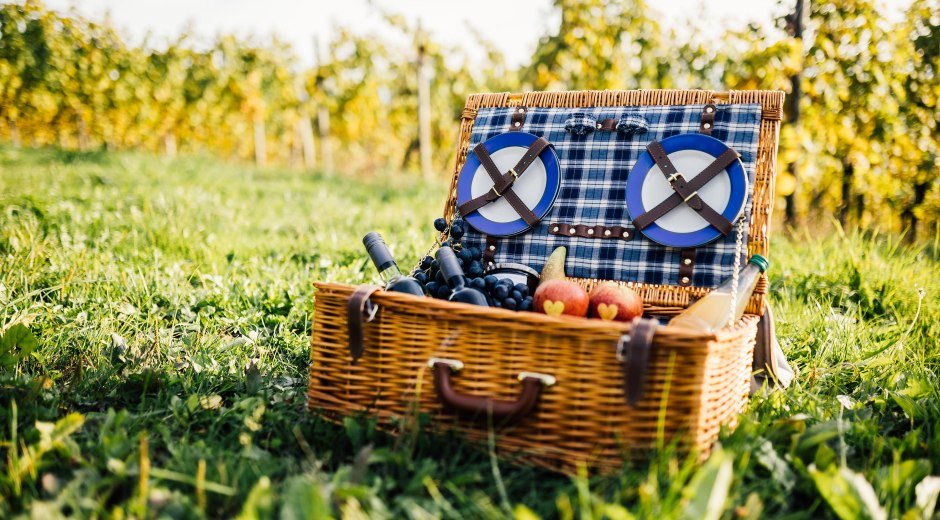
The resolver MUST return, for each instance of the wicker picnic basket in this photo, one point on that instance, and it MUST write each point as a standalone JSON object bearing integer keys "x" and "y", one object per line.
{"x": 484, "y": 371}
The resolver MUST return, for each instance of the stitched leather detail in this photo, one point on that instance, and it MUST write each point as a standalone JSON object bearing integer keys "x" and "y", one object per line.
{"x": 602, "y": 232}
{"x": 607, "y": 125}
{"x": 708, "y": 119}
{"x": 517, "y": 119}
{"x": 489, "y": 252}
{"x": 686, "y": 267}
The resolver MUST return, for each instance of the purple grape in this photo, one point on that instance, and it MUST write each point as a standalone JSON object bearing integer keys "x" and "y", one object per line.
{"x": 440, "y": 224}
{"x": 475, "y": 270}
{"x": 510, "y": 303}
{"x": 457, "y": 230}
{"x": 516, "y": 295}
{"x": 490, "y": 282}
{"x": 501, "y": 292}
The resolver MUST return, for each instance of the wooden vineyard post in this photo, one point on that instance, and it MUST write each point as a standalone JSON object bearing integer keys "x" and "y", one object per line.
{"x": 323, "y": 113}
{"x": 305, "y": 128}
{"x": 424, "y": 108}
{"x": 260, "y": 148}
{"x": 795, "y": 28}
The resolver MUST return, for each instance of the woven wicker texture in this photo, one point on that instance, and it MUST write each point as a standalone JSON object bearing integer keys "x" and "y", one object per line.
{"x": 695, "y": 382}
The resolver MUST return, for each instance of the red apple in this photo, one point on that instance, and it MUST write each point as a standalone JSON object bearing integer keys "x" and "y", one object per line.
{"x": 557, "y": 297}
{"x": 610, "y": 301}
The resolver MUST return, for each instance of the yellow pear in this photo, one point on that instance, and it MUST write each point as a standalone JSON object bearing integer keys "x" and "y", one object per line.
{"x": 555, "y": 265}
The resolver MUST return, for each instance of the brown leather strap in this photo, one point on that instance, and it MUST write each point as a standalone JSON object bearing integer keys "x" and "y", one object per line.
{"x": 687, "y": 191}
{"x": 686, "y": 267}
{"x": 580, "y": 230}
{"x": 359, "y": 311}
{"x": 636, "y": 352}
{"x": 763, "y": 365}
{"x": 517, "y": 119}
{"x": 481, "y": 408}
{"x": 708, "y": 119}
{"x": 502, "y": 183}
{"x": 607, "y": 125}
{"x": 489, "y": 252}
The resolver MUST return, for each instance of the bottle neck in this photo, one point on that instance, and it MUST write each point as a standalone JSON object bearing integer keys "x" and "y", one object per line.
{"x": 747, "y": 280}
{"x": 388, "y": 271}
{"x": 450, "y": 266}
{"x": 456, "y": 283}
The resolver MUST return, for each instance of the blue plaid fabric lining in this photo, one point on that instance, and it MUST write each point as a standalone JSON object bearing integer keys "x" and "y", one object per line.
{"x": 594, "y": 168}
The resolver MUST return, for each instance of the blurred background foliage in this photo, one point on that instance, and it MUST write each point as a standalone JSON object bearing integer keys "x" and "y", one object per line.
{"x": 859, "y": 143}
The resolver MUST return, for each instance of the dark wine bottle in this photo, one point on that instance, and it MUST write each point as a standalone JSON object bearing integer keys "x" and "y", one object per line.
{"x": 453, "y": 274}
{"x": 388, "y": 269}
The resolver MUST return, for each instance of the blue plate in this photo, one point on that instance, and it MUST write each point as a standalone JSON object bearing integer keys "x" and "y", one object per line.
{"x": 682, "y": 227}
{"x": 537, "y": 186}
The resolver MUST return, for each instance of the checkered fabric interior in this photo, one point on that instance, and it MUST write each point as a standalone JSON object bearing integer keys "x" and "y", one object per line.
{"x": 594, "y": 168}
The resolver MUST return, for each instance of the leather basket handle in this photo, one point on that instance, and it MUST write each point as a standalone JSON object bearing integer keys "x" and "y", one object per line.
{"x": 479, "y": 407}
{"x": 359, "y": 311}
{"x": 633, "y": 350}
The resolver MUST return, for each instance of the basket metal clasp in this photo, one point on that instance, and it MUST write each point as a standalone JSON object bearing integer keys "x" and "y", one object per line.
{"x": 455, "y": 365}
{"x": 621, "y": 347}
{"x": 370, "y": 311}
{"x": 546, "y": 379}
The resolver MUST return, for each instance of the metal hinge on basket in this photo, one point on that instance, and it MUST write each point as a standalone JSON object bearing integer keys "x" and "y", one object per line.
{"x": 633, "y": 352}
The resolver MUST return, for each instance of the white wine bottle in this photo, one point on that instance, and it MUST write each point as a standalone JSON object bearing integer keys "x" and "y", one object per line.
{"x": 710, "y": 313}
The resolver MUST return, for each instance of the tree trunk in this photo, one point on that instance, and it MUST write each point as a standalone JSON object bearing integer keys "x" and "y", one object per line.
{"x": 15, "y": 135}
{"x": 848, "y": 171}
{"x": 424, "y": 113}
{"x": 260, "y": 144}
{"x": 169, "y": 144}
{"x": 83, "y": 138}
{"x": 323, "y": 122}
{"x": 859, "y": 208}
{"x": 305, "y": 131}
{"x": 795, "y": 28}
{"x": 909, "y": 215}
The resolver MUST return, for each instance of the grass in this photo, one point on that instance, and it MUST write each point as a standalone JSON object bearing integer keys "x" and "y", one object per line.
{"x": 156, "y": 316}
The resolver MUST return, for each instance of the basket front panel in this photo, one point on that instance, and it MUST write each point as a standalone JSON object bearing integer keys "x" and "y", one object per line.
{"x": 583, "y": 418}
{"x": 594, "y": 168}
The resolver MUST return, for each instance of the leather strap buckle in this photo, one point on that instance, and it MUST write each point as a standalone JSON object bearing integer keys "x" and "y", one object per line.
{"x": 691, "y": 196}
{"x": 672, "y": 178}
{"x": 512, "y": 171}
{"x": 495, "y": 192}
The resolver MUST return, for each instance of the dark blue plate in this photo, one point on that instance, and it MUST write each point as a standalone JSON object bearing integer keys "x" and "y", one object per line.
{"x": 704, "y": 143}
{"x": 472, "y": 168}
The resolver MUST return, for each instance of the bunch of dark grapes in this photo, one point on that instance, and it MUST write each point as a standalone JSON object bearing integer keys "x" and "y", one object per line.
{"x": 499, "y": 293}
